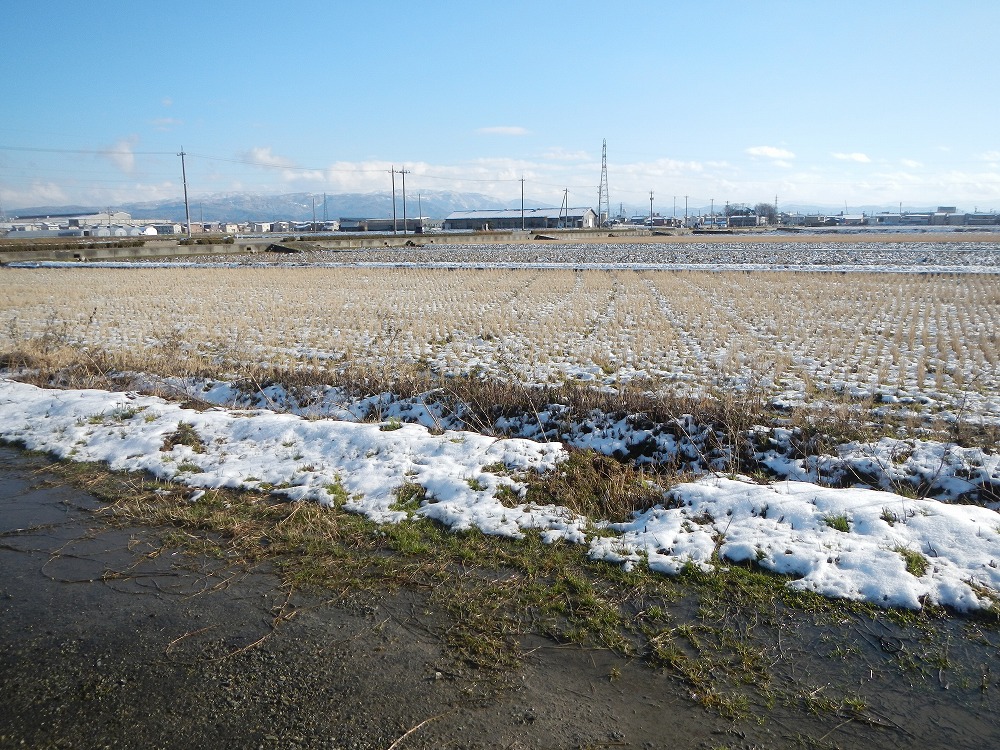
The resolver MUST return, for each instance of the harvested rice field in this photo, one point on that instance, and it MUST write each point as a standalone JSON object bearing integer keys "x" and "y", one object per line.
{"x": 921, "y": 341}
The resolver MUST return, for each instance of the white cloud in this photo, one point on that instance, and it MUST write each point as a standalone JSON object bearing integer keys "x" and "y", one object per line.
{"x": 503, "y": 130}
{"x": 306, "y": 175}
{"x": 35, "y": 194}
{"x": 51, "y": 194}
{"x": 559, "y": 154}
{"x": 165, "y": 123}
{"x": 771, "y": 152}
{"x": 264, "y": 157}
{"x": 855, "y": 156}
{"x": 167, "y": 101}
{"x": 670, "y": 168}
{"x": 744, "y": 179}
{"x": 121, "y": 153}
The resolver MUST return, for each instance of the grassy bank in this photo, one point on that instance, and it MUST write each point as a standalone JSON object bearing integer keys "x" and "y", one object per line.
{"x": 733, "y": 636}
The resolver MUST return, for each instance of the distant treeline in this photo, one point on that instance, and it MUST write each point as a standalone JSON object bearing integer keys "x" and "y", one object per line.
{"x": 60, "y": 244}
{"x": 207, "y": 241}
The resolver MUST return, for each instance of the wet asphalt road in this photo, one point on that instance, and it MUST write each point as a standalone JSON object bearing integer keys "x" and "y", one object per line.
{"x": 108, "y": 641}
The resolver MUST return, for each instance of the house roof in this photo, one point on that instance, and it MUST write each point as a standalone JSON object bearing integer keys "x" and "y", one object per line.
{"x": 510, "y": 213}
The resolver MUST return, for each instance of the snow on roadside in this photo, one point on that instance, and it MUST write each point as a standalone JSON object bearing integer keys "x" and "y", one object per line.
{"x": 941, "y": 471}
{"x": 944, "y": 471}
{"x": 852, "y": 543}
{"x": 298, "y": 458}
{"x": 789, "y": 527}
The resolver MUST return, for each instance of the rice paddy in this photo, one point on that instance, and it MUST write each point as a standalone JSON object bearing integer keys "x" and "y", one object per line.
{"x": 678, "y": 331}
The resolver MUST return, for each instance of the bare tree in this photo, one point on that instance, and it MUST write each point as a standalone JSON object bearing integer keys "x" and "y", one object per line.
{"x": 766, "y": 210}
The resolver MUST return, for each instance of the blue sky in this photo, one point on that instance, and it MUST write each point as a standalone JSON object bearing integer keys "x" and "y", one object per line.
{"x": 816, "y": 102}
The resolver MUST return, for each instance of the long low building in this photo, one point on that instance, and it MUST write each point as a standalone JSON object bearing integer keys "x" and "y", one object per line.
{"x": 533, "y": 218}
{"x": 411, "y": 224}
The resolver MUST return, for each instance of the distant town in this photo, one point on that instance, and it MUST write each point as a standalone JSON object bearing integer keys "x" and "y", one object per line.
{"x": 111, "y": 223}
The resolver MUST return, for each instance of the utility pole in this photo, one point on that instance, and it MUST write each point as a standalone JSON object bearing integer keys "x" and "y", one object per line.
{"x": 674, "y": 215}
{"x": 404, "y": 172}
{"x": 187, "y": 208}
{"x": 651, "y": 208}
{"x": 522, "y": 204}
{"x": 314, "y": 212}
{"x": 685, "y": 209}
{"x": 564, "y": 207}
{"x": 420, "y": 215}
{"x": 392, "y": 171}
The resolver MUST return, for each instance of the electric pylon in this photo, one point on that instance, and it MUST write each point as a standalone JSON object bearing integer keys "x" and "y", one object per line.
{"x": 603, "y": 201}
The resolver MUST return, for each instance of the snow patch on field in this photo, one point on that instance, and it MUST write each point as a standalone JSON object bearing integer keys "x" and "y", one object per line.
{"x": 852, "y": 542}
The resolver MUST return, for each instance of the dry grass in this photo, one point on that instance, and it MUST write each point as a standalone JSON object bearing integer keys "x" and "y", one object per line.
{"x": 681, "y": 333}
{"x": 716, "y": 633}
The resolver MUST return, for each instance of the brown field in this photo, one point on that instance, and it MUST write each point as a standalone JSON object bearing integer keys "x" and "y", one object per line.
{"x": 810, "y": 333}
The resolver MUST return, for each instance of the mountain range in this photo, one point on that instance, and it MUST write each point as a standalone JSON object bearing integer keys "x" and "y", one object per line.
{"x": 241, "y": 207}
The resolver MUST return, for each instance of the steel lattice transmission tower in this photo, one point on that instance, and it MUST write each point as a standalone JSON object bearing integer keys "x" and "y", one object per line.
{"x": 603, "y": 201}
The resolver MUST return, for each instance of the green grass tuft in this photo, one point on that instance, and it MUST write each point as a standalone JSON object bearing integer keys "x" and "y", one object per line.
{"x": 916, "y": 563}
{"x": 839, "y": 522}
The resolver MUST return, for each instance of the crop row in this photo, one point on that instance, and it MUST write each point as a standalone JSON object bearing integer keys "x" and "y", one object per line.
{"x": 677, "y": 330}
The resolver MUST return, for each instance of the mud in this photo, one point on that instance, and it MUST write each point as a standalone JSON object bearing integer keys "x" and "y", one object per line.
{"x": 106, "y": 640}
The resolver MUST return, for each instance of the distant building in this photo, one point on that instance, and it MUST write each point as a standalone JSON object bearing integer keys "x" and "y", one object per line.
{"x": 712, "y": 222}
{"x": 819, "y": 220}
{"x": 168, "y": 228}
{"x": 315, "y": 226}
{"x": 354, "y": 224}
{"x": 886, "y": 219}
{"x": 739, "y": 222}
{"x": 511, "y": 218}
{"x": 121, "y": 218}
{"x": 981, "y": 219}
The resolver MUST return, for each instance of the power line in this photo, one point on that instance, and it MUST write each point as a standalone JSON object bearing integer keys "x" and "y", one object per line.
{"x": 95, "y": 152}
{"x": 282, "y": 167}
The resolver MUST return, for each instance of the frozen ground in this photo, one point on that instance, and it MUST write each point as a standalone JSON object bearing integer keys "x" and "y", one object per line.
{"x": 850, "y": 540}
